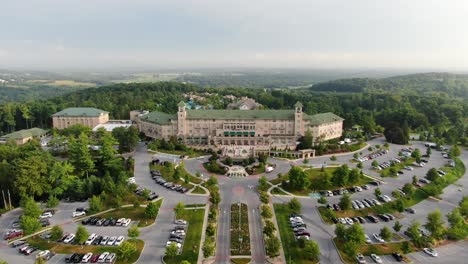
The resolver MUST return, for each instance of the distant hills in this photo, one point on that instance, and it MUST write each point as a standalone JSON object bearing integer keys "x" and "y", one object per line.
{"x": 435, "y": 84}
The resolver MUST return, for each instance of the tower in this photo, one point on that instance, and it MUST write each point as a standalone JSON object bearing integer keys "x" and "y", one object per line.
{"x": 298, "y": 119}
{"x": 181, "y": 115}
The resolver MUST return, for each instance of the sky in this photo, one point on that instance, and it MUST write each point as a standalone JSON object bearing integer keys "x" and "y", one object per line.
{"x": 399, "y": 34}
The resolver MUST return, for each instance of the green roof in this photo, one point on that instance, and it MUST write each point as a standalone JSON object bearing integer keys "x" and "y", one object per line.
{"x": 240, "y": 114}
{"x": 25, "y": 133}
{"x": 318, "y": 119}
{"x": 80, "y": 111}
{"x": 157, "y": 117}
{"x": 181, "y": 104}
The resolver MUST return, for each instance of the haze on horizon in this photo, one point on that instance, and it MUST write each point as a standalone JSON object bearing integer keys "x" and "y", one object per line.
{"x": 401, "y": 34}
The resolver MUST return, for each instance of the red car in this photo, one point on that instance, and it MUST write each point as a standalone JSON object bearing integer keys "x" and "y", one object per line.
{"x": 94, "y": 258}
{"x": 417, "y": 184}
{"x": 13, "y": 234}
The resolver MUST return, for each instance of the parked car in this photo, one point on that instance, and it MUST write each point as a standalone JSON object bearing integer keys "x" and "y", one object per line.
{"x": 69, "y": 238}
{"x": 180, "y": 222}
{"x": 91, "y": 239}
{"x": 373, "y": 219}
{"x": 87, "y": 257}
{"x": 111, "y": 258}
{"x": 410, "y": 210}
{"x": 103, "y": 257}
{"x": 376, "y": 258}
{"x": 45, "y": 215}
{"x": 78, "y": 214}
{"x": 119, "y": 240}
{"x": 111, "y": 241}
{"x": 13, "y": 234}
{"x": 378, "y": 238}
{"x": 368, "y": 240}
{"x": 126, "y": 222}
{"x": 104, "y": 240}
{"x": 430, "y": 252}
{"x": 397, "y": 256}
{"x": 360, "y": 258}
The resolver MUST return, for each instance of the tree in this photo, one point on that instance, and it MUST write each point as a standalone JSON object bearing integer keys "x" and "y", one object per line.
{"x": 385, "y": 233}
{"x": 266, "y": 211}
{"x": 263, "y": 184}
{"x": 172, "y": 250}
{"x": 95, "y": 204}
{"x": 400, "y": 205}
{"x": 345, "y": 202}
{"x": 351, "y": 237}
{"x": 354, "y": 176}
{"x": 298, "y": 180}
{"x": 184, "y": 262}
{"x": 81, "y": 234}
{"x": 269, "y": 228}
{"x": 126, "y": 250}
{"x": 416, "y": 154}
{"x": 414, "y": 233}
{"x": 340, "y": 232}
{"x": 375, "y": 163}
{"x": 414, "y": 179}
{"x": 80, "y": 156}
{"x": 322, "y": 200}
{"x": 397, "y": 226}
{"x": 31, "y": 176}
{"x": 208, "y": 249}
{"x": 151, "y": 210}
{"x": 340, "y": 176}
{"x": 295, "y": 205}
{"x": 127, "y": 138}
{"x": 133, "y": 232}
{"x": 60, "y": 177}
{"x": 56, "y": 233}
{"x": 458, "y": 228}
{"x": 359, "y": 165}
{"x": 272, "y": 246}
{"x": 312, "y": 250}
{"x": 377, "y": 192}
{"x": 29, "y": 224}
{"x": 264, "y": 198}
{"x": 455, "y": 151}
{"x": 30, "y": 207}
{"x": 408, "y": 189}
{"x": 435, "y": 225}
{"x": 396, "y": 134}
{"x": 179, "y": 208}
{"x": 186, "y": 179}
{"x": 53, "y": 201}
{"x": 212, "y": 181}
{"x": 432, "y": 174}
{"x": 428, "y": 151}
{"x": 464, "y": 206}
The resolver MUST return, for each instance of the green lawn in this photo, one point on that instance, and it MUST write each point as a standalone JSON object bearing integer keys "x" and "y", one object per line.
{"x": 198, "y": 190}
{"x": 194, "y": 205}
{"x": 292, "y": 252}
{"x": 398, "y": 166}
{"x": 136, "y": 214}
{"x": 278, "y": 191}
{"x": 192, "y": 241}
{"x": 61, "y": 248}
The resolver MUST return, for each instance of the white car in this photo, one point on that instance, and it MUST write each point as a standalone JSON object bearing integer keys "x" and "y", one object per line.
{"x": 90, "y": 240}
{"x": 86, "y": 258}
{"x": 78, "y": 214}
{"x": 376, "y": 258}
{"x": 103, "y": 257}
{"x": 111, "y": 241}
{"x": 104, "y": 240}
{"x": 120, "y": 221}
{"x": 303, "y": 237}
{"x": 430, "y": 252}
{"x": 328, "y": 193}
{"x": 349, "y": 221}
{"x": 378, "y": 238}
{"x": 180, "y": 222}
{"x": 42, "y": 254}
{"x": 45, "y": 215}
{"x": 368, "y": 240}
{"x": 119, "y": 240}
{"x": 407, "y": 168}
{"x": 69, "y": 238}
{"x": 178, "y": 232}
{"x": 126, "y": 222}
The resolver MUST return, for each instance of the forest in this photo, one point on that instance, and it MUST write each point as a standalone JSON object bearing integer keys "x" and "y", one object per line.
{"x": 443, "y": 117}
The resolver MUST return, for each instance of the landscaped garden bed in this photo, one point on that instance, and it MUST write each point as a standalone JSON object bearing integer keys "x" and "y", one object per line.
{"x": 240, "y": 238}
